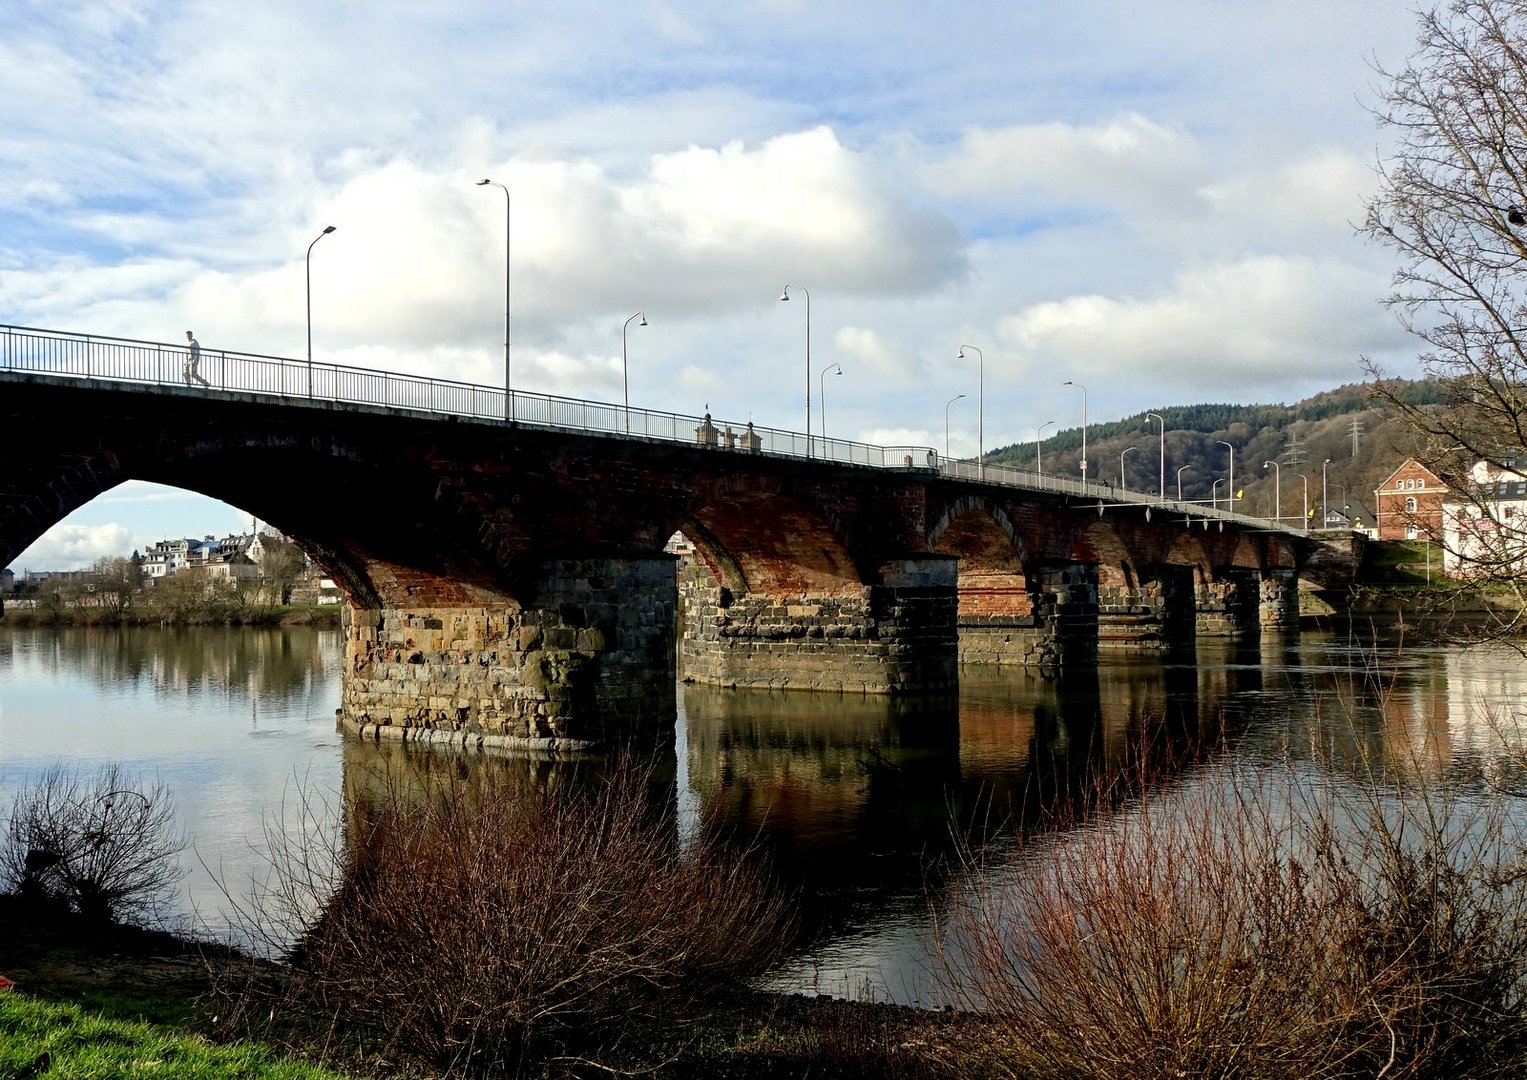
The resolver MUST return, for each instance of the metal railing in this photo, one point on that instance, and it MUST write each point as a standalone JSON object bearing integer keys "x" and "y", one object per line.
{"x": 86, "y": 356}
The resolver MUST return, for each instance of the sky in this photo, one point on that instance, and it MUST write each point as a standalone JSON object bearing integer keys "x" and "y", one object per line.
{"x": 1156, "y": 202}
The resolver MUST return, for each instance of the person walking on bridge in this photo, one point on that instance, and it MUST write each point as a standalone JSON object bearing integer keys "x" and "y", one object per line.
{"x": 193, "y": 361}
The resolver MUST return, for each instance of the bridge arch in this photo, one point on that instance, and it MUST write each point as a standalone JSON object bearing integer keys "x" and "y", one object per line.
{"x": 991, "y": 580}
{"x": 762, "y": 543}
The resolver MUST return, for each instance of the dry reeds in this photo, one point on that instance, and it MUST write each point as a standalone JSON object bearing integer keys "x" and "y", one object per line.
{"x": 472, "y": 925}
{"x": 1263, "y": 922}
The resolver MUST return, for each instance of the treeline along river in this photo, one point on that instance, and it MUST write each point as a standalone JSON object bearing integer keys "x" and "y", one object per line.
{"x": 861, "y": 801}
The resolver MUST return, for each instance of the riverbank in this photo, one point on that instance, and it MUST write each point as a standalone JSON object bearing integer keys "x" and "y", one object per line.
{"x": 125, "y": 976}
{"x": 318, "y": 615}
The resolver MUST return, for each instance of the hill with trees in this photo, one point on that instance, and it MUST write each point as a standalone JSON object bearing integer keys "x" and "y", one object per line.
{"x": 1362, "y": 435}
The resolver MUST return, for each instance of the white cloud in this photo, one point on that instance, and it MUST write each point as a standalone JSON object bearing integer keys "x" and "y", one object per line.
{"x": 1126, "y": 160}
{"x": 72, "y": 547}
{"x": 1244, "y": 328}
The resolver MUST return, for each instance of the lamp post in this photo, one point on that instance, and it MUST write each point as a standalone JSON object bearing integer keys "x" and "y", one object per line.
{"x": 1162, "y": 421}
{"x": 1083, "y": 389}
{"x": 327, "y": 229}
{"x": 1230, "y": 484}
{"x": 784, "y": 294}
{"x": 508, "y": 220}
{"x": 1306, "y": 480}
{"x": 1039, "y": 461}
{"x": 1277, "y": 489}
{"x": 980, "y": 404}
{"x": 625, "y": 381}
{"x": 1214, "y": 492}
{"x": 822, "y": 396}
{"x": 948, "y": 403}
{"x": 1180, "y": 471}
{"x": 1123, "y": 484}
{"x": 1324, "y": 508}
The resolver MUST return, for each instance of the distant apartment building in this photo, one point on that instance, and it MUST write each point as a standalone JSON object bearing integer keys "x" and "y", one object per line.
{"x": 237, "y": 556}
{"x": 1485, "y": 528}
{"x": 1409, "y": 504}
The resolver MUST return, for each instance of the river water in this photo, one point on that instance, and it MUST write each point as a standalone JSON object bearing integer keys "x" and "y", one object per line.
{"x": 861, "y": 801}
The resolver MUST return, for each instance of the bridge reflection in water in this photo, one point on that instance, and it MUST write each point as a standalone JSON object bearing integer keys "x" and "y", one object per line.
{"x": 860, "y": 800}
{"x": 866, "y": 805}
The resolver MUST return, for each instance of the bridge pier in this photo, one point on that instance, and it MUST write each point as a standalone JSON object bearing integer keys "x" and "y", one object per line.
{"x": 589, "y": 660}
{"x": 1279, "y": 608}
{"x": 895, "y": 637}
{"x": 1066, "y": 611}
{"x": 1154, "y": 613}
{"x": 1229, "y": 605}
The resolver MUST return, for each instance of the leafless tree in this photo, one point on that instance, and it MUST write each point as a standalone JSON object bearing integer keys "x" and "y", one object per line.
{"x": 105, "y": 846}
{"x": 113, "y": 583}
{"x": 1452, "y": 202}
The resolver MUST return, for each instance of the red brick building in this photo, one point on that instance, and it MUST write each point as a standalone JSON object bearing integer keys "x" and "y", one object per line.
{"x": 1408, "y": 504}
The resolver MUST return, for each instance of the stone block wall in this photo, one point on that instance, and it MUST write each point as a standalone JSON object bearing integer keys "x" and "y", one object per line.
{"x": 1279, "y": 608}
{"x": 1228, "y": 606}
{"x": 1157, "y": 614}
{"x": 591, "y": 661}
{"x": 897, "y": 637}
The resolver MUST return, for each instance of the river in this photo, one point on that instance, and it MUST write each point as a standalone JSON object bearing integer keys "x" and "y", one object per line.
{"x": 859, "y": 800}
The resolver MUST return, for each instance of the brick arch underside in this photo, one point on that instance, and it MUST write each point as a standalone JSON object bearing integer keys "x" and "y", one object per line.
{"x": 384, "y": 532}
{"x": 1101, "y": 545}
{"x": 765, "y": 544}
{"x": 384, "y": 537}
{"x": 992, "y": 580}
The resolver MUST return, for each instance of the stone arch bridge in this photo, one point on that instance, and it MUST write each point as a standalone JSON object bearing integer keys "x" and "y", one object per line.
{"x": 508, "y": 579}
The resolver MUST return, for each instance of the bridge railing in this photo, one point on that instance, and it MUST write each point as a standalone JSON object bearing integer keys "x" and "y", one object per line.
{"x": 145, "y": 362}
{"x": 155, "y": 363}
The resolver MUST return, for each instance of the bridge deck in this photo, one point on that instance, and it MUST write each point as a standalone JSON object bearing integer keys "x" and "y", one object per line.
{"x": 29, "y": 352}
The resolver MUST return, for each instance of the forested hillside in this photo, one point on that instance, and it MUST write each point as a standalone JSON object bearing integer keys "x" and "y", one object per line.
{"x": 1347, "y": 425}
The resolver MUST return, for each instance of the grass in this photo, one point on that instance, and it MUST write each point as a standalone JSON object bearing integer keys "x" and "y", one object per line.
{"x": 43, "y": 1038}
{"x": 1392, "y": 563}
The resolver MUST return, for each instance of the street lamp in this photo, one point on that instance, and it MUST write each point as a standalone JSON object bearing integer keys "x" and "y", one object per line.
{"x": 1324, "y": 509}
{"x": 1180, "y": 471}
{"x": 1230, "y": 484}
{"x": 625, "y": 380}
{"x": 948, "y": 403}
{"x": 1277, "y": 489}
{"x": 508, "y": 217}
{"x": 1214, "y": 492}
{"x": 1039, "y": 461}
{"x": 980, "y": 404}
{"x": 784, "y": 294}
{"x": 1306, "y": 480}
{"x": 1083, "y": 389}
{"x": 1123, "y": 484}
{"x": 822, "y": 396}
{"x": 327, "y": 229}
{"x": 1162, "y": 420}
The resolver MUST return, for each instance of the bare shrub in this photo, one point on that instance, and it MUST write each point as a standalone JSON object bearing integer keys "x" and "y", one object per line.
{"x": 462, "y": 923}
{"x": 104, "y": 847}
{"x": 1264, "y": 923}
